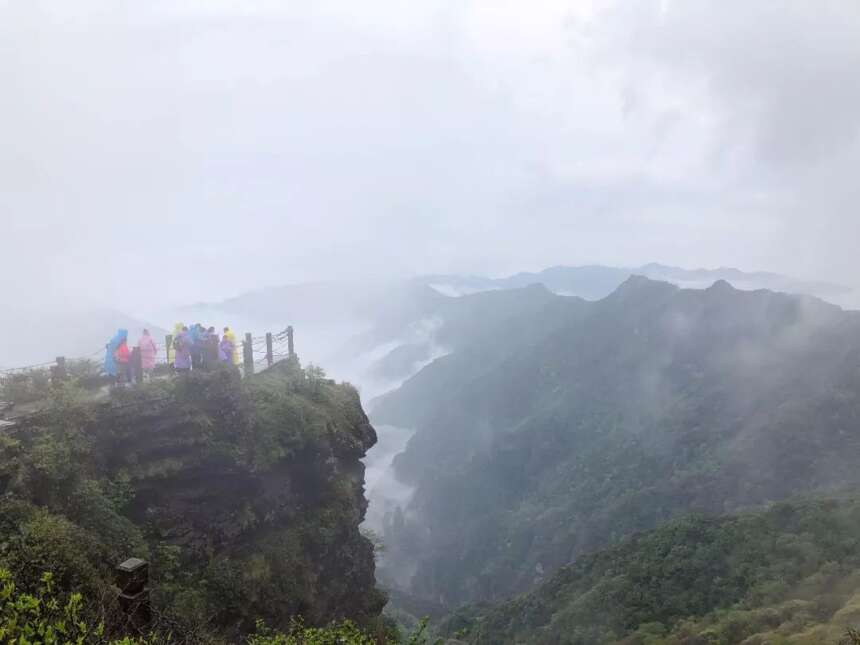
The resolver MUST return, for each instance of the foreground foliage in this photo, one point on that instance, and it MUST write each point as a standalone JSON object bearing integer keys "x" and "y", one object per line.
{"x": 45, "y": 617}
{"x": 41, "y": 617}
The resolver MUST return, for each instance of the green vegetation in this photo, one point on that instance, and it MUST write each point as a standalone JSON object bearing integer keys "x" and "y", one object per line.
{"x": 560, "y": 428}
{"x": 787, "y": 575}
{"x": 31, "y": 385}
{"x": 244, "y": 495}
{"x": 48, "y": 618}
{"x": 41, "y": 617}
{"x": 25, "y": 386}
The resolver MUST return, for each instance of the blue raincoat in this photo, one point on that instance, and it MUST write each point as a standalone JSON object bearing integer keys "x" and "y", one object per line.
{"x": 110, "y": 348}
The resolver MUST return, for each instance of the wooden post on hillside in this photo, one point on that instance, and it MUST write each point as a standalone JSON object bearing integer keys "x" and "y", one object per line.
{"x": 270, "y": 359}
{"x": 132, "y": 578}
{"x": 58, "y": 372}
{"x": 291, "y": 348}
{"x": 248, "y": 352}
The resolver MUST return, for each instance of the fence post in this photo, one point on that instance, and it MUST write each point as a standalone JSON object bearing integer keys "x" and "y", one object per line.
{"x": 290, "y": 346}
{"x": 58, "y": 372}
{"x": 168, "y": 347}
{"x": 132, "y": 578}
{"x": 269, "y": 355}
{"x": 248, "y": 351}
{"x": 137, "y": 365}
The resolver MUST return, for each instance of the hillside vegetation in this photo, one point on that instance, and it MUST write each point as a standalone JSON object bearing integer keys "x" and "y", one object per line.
{"x": 245, "y": 495}
{"x": 787, "y": 575}
{"x": 563, "y": 428}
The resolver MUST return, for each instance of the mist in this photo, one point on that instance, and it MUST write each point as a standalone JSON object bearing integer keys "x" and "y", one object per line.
{"x": 573, "y": 287}
{"x": 161, "y": 154}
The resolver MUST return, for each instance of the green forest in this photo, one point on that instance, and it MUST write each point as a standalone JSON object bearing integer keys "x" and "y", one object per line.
{"x": 790, "y": 574}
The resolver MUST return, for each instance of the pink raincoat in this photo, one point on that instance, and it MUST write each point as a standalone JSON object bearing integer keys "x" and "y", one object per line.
{"x": 148, "y": 351}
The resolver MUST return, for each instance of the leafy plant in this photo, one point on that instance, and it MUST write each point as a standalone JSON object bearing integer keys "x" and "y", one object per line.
{"x": 43, "y": 617}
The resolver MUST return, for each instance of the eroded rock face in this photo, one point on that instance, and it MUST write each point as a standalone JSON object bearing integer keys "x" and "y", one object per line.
{"x": 245, "y": 495}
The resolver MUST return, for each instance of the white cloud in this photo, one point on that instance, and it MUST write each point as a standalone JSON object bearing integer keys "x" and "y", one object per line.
{"x": 193, "y": 149}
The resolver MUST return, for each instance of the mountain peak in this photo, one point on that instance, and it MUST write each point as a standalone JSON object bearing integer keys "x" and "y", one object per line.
{"x": 721, "y": 286}
{"x": 638, "y": 287}
{"x": 637, "y": 282}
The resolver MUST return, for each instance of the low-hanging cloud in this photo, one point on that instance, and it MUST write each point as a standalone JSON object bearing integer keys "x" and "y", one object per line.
{"x": 168, "y": 152}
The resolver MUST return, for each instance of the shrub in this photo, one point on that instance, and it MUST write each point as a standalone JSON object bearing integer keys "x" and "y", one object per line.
{"x": 42, "y": 617}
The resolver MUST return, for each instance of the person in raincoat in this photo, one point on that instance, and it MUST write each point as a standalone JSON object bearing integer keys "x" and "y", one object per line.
{"x": 211, "y": 349}
{"x": 148, "y": 352}
{"x": 229, "y": 335}
{"x": 195, "y": 336}
{"x": 110, "y": 348}
{"x": 177, "y": 329}
{"x": 122, "y": 357}
{"x": 225, "y": 349}
{"x": 182, "y": 353}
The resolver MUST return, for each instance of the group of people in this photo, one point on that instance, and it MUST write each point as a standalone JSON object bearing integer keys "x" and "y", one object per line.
{"x": 199, "y": 348}
{"x": 118, "y": 356}
{"x": 191, "y": 349}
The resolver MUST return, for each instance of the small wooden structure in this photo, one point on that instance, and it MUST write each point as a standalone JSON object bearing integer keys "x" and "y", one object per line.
{"x": 58, "y": 371}
{"x": 136, "y": 365}
{"x": 248, "y": 354}
{"x": 132, "y": 578}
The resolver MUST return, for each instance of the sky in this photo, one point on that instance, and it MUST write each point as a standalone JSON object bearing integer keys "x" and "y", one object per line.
{"x": 169, "y": 151}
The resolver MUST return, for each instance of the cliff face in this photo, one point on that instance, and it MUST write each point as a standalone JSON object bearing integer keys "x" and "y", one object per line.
{"x": 246, "y": 496}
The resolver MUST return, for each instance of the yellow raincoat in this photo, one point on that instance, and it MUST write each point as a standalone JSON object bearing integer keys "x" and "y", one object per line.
{"x": 171, "y": 353}
{"x": 229, "y": 335}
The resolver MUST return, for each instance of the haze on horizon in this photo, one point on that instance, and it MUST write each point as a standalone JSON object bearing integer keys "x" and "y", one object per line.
{"x": 172, "y": 152}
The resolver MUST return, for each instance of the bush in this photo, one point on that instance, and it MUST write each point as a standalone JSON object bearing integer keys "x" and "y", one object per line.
{"x": 26, "y": 386}
{"x": 42, "y": 617}
{"x": 345, "y": 633}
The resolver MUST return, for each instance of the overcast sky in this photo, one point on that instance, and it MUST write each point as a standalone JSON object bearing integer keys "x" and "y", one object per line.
{"x": 178, "y": 151}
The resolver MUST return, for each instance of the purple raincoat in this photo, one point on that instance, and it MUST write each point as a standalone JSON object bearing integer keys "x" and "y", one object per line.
{"x": 225, "y": 350}
{"x": 182, "y": 361}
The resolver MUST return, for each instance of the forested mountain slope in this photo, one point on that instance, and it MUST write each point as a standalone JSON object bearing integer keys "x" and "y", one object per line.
{"x": 568, "y": 428}
{"x": 787, "y": 575}
{"x": 245, "y": 495}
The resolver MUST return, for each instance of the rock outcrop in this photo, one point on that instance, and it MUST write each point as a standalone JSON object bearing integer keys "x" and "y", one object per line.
{"x": 246, "y": 496}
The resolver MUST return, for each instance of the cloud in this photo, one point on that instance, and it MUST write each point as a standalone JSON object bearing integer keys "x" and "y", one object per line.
{"x": 179, "y": 151}
{"x": 775, "y": 86}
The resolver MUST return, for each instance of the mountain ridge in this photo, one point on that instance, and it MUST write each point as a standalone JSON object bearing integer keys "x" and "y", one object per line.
{"x": 653, "y": 402}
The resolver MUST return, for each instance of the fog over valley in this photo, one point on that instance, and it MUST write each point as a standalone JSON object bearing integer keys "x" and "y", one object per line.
{"x": 429, "y": 323}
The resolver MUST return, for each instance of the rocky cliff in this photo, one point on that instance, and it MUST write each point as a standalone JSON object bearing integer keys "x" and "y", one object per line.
{"x": 245, "y": 495}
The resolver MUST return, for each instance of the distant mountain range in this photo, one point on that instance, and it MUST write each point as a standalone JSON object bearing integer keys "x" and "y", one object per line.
{"x": 594, "y": 282}
{"x": 556, "y": 425}
{"x": 378, "y": 333}
{"x": 327, "y": 303}
{"x": 339, "y": 322}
